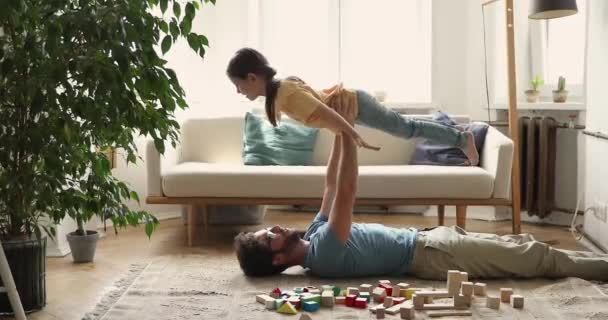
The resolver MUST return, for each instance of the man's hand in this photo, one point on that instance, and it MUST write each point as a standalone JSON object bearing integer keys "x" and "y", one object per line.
{"x": 347, "y": 112}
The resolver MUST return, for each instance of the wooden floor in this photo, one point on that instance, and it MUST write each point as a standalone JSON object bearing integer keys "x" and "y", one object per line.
{"x": 73, "y": 290}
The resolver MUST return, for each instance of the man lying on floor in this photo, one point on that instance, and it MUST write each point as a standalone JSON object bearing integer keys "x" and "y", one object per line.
{"x": 333, "y": 246}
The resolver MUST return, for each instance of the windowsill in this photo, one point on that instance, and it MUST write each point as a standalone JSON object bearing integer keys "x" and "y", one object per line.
{"x": 543, "y": 105}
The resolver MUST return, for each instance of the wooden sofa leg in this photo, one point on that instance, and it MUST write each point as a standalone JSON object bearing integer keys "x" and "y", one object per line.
{"x": 191, "y": 224}
{"x": 441, "y": 214}
{"x": 461, "y": 216}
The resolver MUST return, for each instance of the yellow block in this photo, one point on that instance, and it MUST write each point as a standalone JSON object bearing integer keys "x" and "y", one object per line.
{"x": 407, "y": 293}
{"x": 287, "y": 308}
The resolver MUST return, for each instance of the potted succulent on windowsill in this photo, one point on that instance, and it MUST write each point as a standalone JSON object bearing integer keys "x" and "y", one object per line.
{"x": 77, "y": 77}
{"x": 533, "y": 95}
{"x": 561, "y": 94}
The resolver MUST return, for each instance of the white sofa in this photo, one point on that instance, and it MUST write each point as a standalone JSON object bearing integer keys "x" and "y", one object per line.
{"x": 208, "y": 169}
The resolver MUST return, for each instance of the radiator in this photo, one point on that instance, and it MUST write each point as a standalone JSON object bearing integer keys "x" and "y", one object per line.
{"x": 537, "y": 162}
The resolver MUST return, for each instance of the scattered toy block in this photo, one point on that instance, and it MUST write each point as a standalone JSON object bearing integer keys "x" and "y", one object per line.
{"x": 384, "y": 282}
{"x": 350, "y": 300}
{"x": 493, "y": 302}
{"x": 327, "y": 287}
{"x": 402, "y": 286}
{"x": 398, "y": 300}
{"x": 327, "y": 298}
{"x": 287, "y": 308}
{"x": 365, "y": 295}
{"x": 270, "y": 304}
{"x": 467, "y": 288}
{"x": 449, "y": 313}
{"x": 505, "y": 294}
{"x": 396, "y": 292}
{"x": 388, "y": 288}
{"x": 395, "y": 309}
{"x": 462, "y": 302}
{"x": 418, "y": 301}
{"x": 379, "y": 294}
{"x": 276, "y": 293}
{"x": 438, "y": 306}
{"x": 479, "y": 289}
{"x": 262, "y": 298}
{"x": 360, "y": 303}
{"x": 407, "y": 312}
{"x": 312, "y": 297}
{"x": 428, "y": 299}
{"x": 380, "y": 312}
{"x": 298, "y": 290}
{"x": 341, "y": 300}
{"x": 439, "y": 294}
{"x": 517, "y": 301}
{"x": 295, "y": 301}
{"x": 278, "y": 303}
{"x": 337, "y": 291}
{"x": 314, "y": 291}
{"x": 365, "y": 288}
{"x": 409, "y": 292}
{"x": 305, "y": 316}
{"x": 388, "y": 302}
{"x": 453, "y": 282}
{"x": 464, "y": 276}
{"x": 343, "y": 292}
{"x": 352, "y": 290}
{"x": 310, "y": 306}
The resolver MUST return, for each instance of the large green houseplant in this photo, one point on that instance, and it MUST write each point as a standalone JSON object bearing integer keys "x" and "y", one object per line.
{"x": 76, "y": 77}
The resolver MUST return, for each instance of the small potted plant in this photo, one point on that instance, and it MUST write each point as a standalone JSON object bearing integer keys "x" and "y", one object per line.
{"x": 561, "y": 94}
{"x": 533, "y": 95}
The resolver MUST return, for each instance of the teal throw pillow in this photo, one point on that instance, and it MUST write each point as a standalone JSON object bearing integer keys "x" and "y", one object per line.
{"x": 289, "y": 144}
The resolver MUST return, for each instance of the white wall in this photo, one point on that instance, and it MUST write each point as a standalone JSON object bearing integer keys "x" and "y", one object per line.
{"x": 596, "y": 168}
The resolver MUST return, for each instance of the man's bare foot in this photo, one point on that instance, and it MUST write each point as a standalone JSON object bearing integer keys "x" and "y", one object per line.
{"x": 470, "y": 150}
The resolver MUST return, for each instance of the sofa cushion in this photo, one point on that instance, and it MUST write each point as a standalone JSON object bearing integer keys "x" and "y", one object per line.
{"x": 196, "y": 179}
{"x": 288, "y": 144}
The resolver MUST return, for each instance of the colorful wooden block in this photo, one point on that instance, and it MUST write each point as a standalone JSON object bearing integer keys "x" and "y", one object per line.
{"x": 409, "y": 292}
{"x": 314, "y": 291}
{"x": 438, "y": 306}
{"x": 340, "y": 300}
{"x": 278, "y": 303}
{"x": 287, "y": 308}
{"x": 517, "y": 301}
{"x": 327, "y": 298}
{"x": 453, "y": 282}
{"x": 276, "y": 293}
{"x": 449, "y": 313}
{"x": 407, "y": 312}
{"x": 365, "y": 288}
{"x": 380, "y": 312}
{"x": 398, "y": 300}
{"x": 384, "y": 282}
{"x": 312, "y": 297}
{"x": 479, "y": 289}
{"x": 464, "y": 276}
{"x": 439, "y": 294}
{"x": 305, "y": 316}
{"x": 352, "y": 290}
{"x": 350, "y": 300}
{"x": 505, "y": 294}
{"x": 360, "y": 303}
{"x": 493, "y": 302}
{"x": 387, "y": 287}
{"x": 262, "y": 298}
{"x": 295, "y": 301}
{"x": 379, "y": 294}
{"x": 310, "y": 306}
{"x": 365, "y": 295}
{"x": 337, "y": 291}
{"x": 298, "y": 290}
{"x": 462, "y": 302}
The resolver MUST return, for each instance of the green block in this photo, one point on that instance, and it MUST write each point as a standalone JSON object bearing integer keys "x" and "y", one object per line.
{"x": 365, "y": 295}
{"x": 337, "y": 291}
{"x": 315, "y": 297}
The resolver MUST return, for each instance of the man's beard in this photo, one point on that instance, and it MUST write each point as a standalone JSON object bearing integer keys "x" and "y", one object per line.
{"x": 292, "y": 240}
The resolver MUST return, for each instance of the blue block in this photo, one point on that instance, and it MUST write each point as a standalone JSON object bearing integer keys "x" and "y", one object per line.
{"x": 310, "y": 306}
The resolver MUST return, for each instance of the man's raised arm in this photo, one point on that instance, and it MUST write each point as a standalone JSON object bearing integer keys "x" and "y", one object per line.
{"x": 341, "y": 214}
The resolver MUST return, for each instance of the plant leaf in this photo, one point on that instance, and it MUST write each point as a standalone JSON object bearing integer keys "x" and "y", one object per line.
{"x": 166, "y": 44}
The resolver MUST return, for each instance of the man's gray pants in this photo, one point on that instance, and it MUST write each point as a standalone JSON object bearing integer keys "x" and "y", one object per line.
{"x": 490, "y": 256}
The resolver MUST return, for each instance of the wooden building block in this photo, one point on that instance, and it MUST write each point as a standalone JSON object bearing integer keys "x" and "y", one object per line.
{"x": 449, "y": 313}
{"x": 278, "y": 303}
{"x": 407, "y": 312}
{"x": 379, "y": 294}
{"x": 466, "y": 288}
{"x": 295, "y": 301}
{"x": 438, "y": 306}
{"x": 428, "y": 299}
{"x": 388, "y": 288}
{"x": 418, "y": 302}
{"x": 398, "y": 300}
{"x": 365, "y": 295}
{"x": 464, "y": 276}
{"x": 365, "y": 288}
{"x": 395, "y": 309}
{"x": 276, "y": 293}
{"x": 479, "y": 289}
{"x": 384, "y": 282}
{"x": 439, "y": 294}
{"x": 340, "y": 300}
{"x": 352, "y": 290}
{"x": 305, "y": 316}
{"x": 287, "y": 308}
{"x": 310, "y": 306}
{"x": 262, "y": 298}
{"x": 517, "y": 301}
{"x": 462, "y": 302}
{"x": 312, "y": 297}
{"x": 361, "y": 303}
{"x": 350, "y": 300}
{"x": 327, "y": 298}
{"x": 409, "y": 292}
{"x": 493, "y": 302}
{"x": 505, "y": 294}
{"x": 388, "y": 302}
{"x": 380, "y": 312}
{"x": 453, "y": 282}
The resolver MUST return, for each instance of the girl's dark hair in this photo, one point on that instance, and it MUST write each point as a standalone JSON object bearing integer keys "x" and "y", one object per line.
{"x": 248, "y": 60}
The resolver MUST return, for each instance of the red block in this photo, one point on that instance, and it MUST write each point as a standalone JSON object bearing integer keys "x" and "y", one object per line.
{"x": 276, "y": 293}
{"x": 399, "y": 300}
{"x": 388, "y": 287}
{"x": 295, "y": 301}
{"x": 350, "y": 300}
{"x": 361, "y": 303}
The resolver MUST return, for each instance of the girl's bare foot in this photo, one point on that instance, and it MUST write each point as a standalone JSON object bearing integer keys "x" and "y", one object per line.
{"x": 470, "y": 150}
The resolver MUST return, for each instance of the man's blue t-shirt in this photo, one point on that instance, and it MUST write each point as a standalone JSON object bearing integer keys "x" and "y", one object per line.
{"x": 371, "y": 250}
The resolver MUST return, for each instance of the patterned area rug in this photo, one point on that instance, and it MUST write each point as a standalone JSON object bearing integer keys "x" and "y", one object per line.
{"x": 200, "y": 287}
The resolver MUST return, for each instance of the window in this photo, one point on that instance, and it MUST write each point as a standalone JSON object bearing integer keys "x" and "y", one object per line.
{"x": 379, "y": 46}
